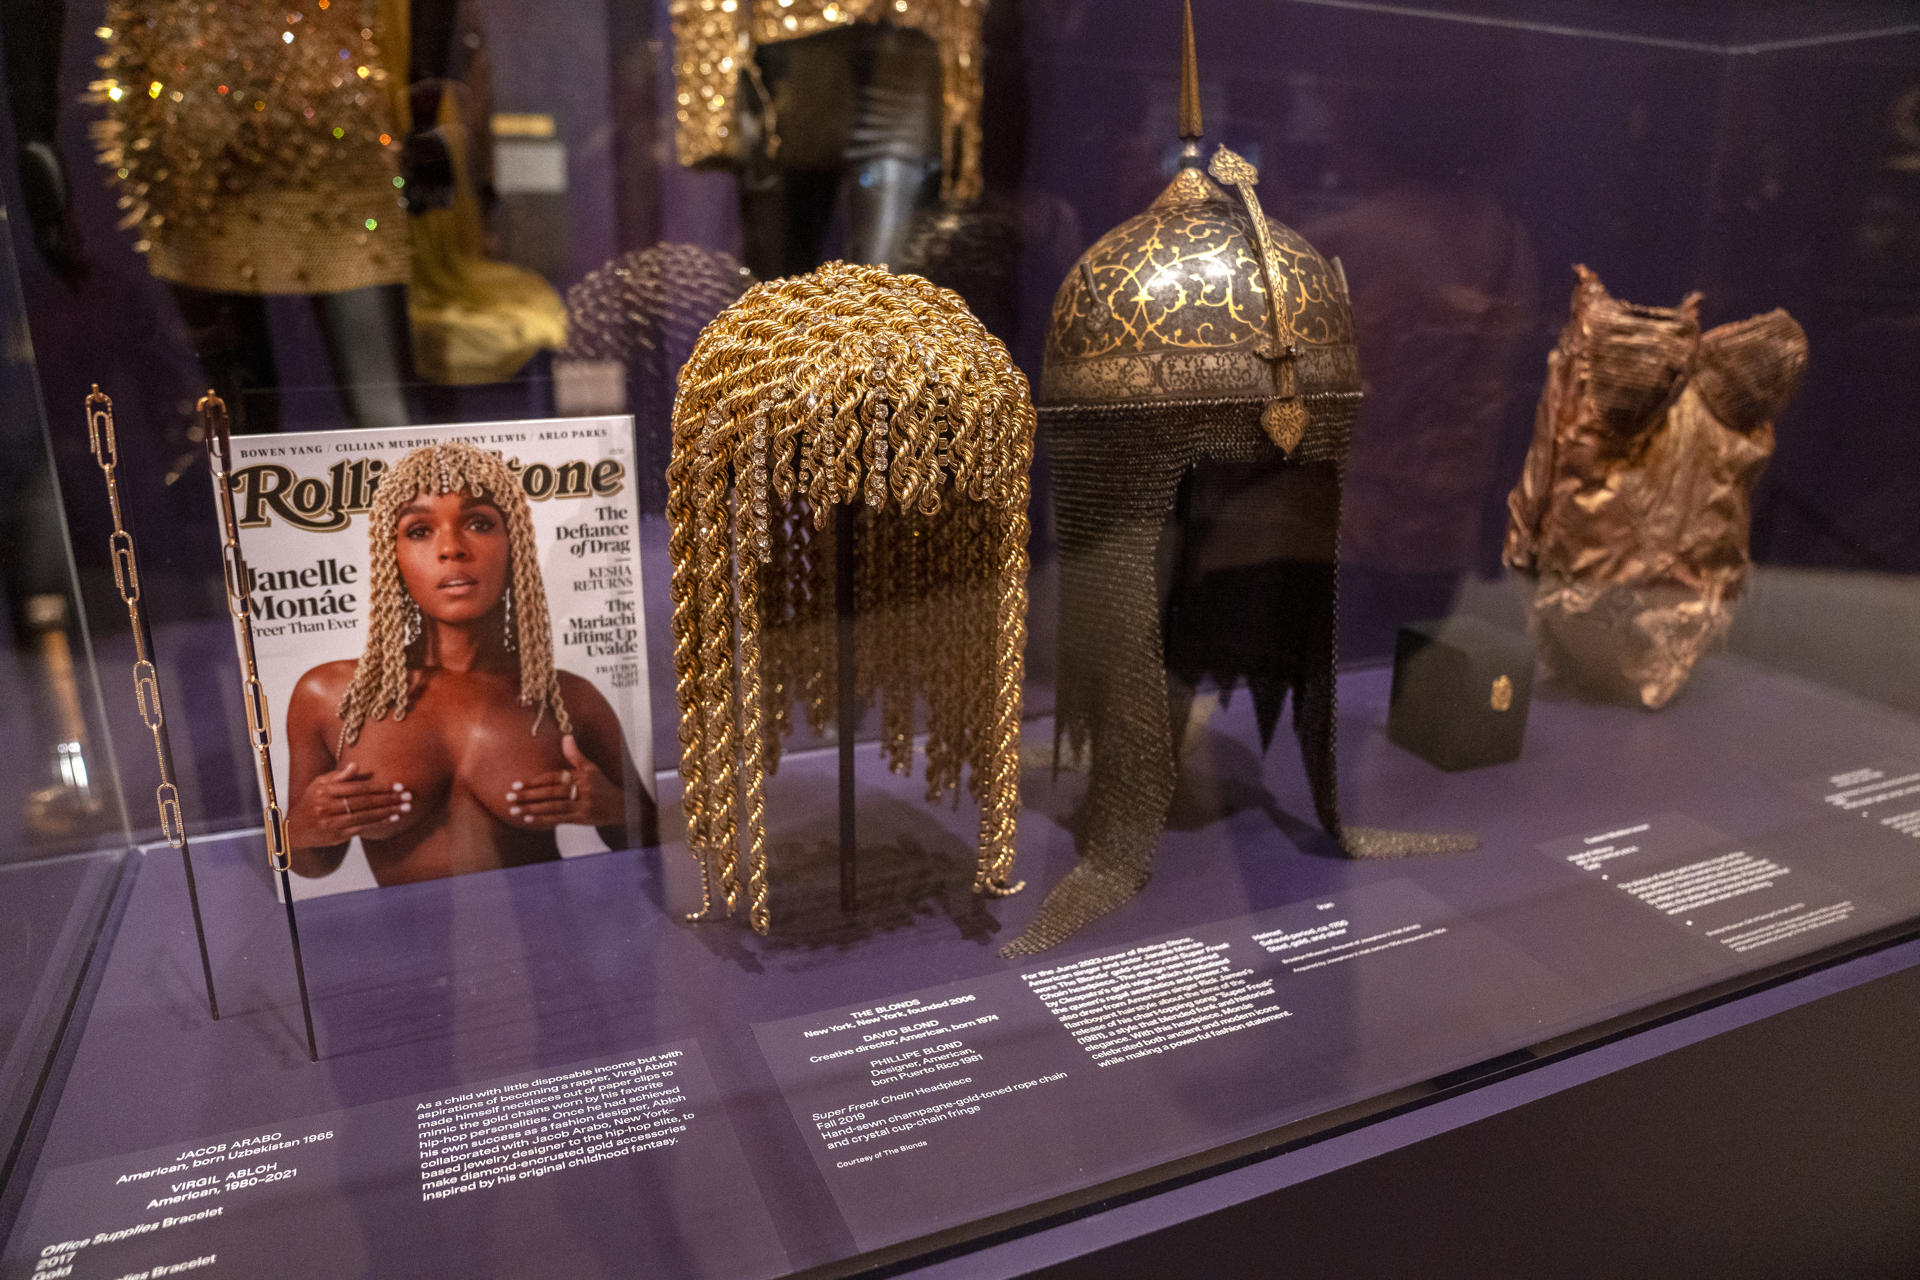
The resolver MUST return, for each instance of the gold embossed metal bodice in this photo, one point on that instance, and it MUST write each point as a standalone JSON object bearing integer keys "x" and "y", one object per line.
{"x": 1173, "y": 305}
{"x": 1634, "y": 510}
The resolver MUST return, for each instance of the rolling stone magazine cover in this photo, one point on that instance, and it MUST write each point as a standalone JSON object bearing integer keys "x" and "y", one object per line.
{"x": 454, "y": 663}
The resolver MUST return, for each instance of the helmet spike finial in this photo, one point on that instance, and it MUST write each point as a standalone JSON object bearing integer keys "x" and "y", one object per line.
{"x": 1189, "y": 82}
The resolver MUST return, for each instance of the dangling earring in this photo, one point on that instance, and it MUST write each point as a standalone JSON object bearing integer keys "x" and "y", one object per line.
{"x": 414, "y": 624}
{"x": 513, "y": 642}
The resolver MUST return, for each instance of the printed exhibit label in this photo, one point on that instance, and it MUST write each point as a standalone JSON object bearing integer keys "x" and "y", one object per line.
{"x": 952, "y": 1104}
{"x": 625, "y": 1143}
{"x": 1741, "y": 896}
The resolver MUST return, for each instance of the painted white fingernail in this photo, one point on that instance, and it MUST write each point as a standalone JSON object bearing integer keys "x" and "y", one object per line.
{"x": 406, "y": 808}
{"x": 397, "y": 787}
{"x": 528, "y": 819}
{"x": 393, "y": 817}
{"x": 517, "y": 784}
{"x": 515, "y": 809}
{"x": 406, "y": 795}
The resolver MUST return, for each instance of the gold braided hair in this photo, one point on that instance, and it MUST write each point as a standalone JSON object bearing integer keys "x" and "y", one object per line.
{"x": 847, "y": 385}
{"x": 379, "y": 685}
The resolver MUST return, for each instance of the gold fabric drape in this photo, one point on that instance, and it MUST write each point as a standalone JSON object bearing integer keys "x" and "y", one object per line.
{"x": 474, "y": 319}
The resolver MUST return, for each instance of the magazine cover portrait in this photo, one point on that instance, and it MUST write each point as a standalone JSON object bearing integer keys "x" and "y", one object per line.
{"x": 447, "y": 624}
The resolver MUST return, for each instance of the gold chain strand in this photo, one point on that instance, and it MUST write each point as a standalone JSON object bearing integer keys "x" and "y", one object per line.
{"x": 105, "y": 444}
{"x": 213, "y": 417}
{"x": 976, "y": 559}
{"x": 1003, "y": 795}
{"x": 126, "y": 577}
{"x": 216, "y": 431}
{"x": 750, "y": 533}
{"x": 681, "y": 539}
{"x": 817, "y": 656}
{"x": 716, "y": 644}
{"x": 776, "y": 651}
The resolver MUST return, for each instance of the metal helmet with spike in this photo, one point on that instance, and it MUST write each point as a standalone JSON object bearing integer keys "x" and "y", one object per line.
{"x": 1200, "y": 334}
{"x": 1203, "y": 297}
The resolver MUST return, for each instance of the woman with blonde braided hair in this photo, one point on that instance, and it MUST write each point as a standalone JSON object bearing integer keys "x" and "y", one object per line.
{"x": 847, "y": 386}
{"x": 452, "y": 744}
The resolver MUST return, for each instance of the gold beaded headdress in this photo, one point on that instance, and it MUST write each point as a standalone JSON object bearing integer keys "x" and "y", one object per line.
{"x": 848, "y": 385}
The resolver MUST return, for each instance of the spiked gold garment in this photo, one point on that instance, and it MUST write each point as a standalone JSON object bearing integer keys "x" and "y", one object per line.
{"x": 1209, "y": 347}
{"x": 257, "y": 149}
{"x": 848, "y": 385}
{"x": 1635, "y": 505}
{"x": 714, "y": 42}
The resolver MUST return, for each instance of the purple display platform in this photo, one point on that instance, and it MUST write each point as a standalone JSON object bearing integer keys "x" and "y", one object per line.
{"x": 1365, "y": 981}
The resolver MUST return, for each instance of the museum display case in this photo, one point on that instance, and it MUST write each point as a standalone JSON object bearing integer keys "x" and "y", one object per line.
{"x": 768, "y": 637}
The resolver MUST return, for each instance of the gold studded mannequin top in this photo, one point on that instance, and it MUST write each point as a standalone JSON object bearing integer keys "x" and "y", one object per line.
{"x": 1635, "y": 505}
{"x": 256, "y": 147}
{"x": 713, "y": 63}
{"x": 1199, "y": 337}
{"x": 847, "y": 385}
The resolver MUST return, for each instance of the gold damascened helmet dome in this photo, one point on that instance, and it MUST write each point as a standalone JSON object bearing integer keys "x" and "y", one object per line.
{"x": 1178, "y": 303}
{"x": 1172, "y": 305}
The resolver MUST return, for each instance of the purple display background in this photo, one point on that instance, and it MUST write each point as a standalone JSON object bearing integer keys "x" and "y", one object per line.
{"x": 436, "y": 986}
{"x": 1726, "y": 147}
{"x": 1742, "y": 149}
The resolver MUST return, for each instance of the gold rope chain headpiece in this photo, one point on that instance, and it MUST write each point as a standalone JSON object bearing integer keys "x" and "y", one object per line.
{"x": 848, "y": 385}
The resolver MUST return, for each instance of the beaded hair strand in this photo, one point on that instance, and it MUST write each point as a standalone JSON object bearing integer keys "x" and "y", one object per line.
{"x": 380, "y": 686}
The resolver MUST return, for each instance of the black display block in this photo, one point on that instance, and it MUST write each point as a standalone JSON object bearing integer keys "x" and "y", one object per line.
{"x": 1461, "y": 688}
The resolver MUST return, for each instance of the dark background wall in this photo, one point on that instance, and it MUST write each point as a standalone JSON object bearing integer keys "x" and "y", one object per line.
{"x": 1766, "y": 153}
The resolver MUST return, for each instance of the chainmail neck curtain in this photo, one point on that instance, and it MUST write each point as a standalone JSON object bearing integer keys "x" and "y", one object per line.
{"x": 848, "y": 385}
{"x": 1197, "y": 334}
